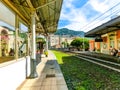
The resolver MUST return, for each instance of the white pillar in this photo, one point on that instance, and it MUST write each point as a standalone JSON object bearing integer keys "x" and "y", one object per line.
{"x": 46, "y": 43}
{"x": 16, "y": 37}
{"x": 0, "y": 46}
{"x": 33, "y": 37}
{"x": 46, "y": 46}
{"x": 33, "y": 48}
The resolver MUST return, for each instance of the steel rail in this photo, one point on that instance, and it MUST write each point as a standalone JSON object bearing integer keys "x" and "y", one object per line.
{"x": 106, "y": 66}
{"x": 101, "y": 60}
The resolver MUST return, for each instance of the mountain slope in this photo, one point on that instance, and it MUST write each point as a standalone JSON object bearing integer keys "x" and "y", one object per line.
{"x": 65, "y": 31}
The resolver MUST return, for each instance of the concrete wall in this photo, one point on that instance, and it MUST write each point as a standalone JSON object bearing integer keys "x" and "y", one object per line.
{"x": 13, "y": 73}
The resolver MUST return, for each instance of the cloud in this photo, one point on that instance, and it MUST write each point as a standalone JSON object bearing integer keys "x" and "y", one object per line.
{"x": 99, "y": 5}
{"x": 72, "y": 14}
{"x": 77, "y": 17}
{"x": 106, "y": 11}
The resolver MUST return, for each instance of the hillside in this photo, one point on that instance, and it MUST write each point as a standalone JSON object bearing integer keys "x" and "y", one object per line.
{"x": 65, "y": 31}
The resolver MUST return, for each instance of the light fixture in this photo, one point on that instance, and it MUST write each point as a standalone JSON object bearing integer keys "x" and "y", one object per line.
{"x": 98, "y": 39}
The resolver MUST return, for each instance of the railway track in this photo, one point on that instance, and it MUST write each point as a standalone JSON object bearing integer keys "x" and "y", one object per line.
{"x": 104, "y": 63}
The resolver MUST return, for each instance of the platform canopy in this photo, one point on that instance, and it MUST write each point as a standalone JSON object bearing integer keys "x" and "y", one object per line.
{"x": 47, "y": 12}
{"x": 112, "y": 25}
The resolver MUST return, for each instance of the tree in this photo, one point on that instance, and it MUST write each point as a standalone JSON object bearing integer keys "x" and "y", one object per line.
{"x": 77, "y": 43}
{"x": 86, "y": 43}
{"x": 65, "y": 44}
{"x": 80, "y": 43}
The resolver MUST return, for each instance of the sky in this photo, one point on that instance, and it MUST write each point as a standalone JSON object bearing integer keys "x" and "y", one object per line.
{"x": 85, "y": 15}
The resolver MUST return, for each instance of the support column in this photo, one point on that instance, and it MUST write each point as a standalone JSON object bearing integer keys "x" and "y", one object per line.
{"x": 33, "y": 48}
{"x": 116, "y": 40}
{"x": 46, "y": 47}
{"x": 16, "y": 37}
{"x": 46, "y": 43}
{"x": 0, "y": 46}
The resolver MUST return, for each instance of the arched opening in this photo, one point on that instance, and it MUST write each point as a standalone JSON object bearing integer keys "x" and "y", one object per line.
{"x": 4, "y": 42}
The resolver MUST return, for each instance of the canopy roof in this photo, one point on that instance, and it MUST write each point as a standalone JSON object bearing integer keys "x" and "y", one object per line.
{"x": 47, "y": 12}
{"x": 112, "y": 25}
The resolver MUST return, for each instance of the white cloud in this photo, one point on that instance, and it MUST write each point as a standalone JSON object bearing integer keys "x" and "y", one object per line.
{"x": 107, "y": 14}
{"x": 78, "y": 17}
{"x": 74, "y": 16}
{"x": 99, "y": 6}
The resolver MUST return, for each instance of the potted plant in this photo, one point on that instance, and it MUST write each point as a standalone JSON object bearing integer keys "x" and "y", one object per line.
{"x": 46, "y": 53}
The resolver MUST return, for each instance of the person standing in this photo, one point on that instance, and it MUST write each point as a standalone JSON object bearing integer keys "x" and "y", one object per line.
{"x": 115, "y": 51}
{"x": 119, "y": 52}
{"x": 111, "y": 50}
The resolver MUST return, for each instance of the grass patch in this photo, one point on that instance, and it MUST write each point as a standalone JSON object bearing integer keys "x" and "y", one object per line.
{"x": 59, "y": 56}
{"x": 82, "y": 75}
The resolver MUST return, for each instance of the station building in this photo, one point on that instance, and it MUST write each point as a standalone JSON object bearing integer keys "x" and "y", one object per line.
{"x": 105, "y": 36}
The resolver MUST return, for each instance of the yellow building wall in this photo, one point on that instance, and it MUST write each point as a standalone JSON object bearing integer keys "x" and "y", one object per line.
{"x": 113, "y": 39}
{"x": 104, "y": 44}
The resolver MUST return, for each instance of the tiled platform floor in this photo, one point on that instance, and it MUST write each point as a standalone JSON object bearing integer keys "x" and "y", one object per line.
{"x": 49, "y": 77}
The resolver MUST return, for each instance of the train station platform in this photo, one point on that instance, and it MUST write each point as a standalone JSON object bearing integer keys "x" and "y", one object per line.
{"x": 49, "y": 77}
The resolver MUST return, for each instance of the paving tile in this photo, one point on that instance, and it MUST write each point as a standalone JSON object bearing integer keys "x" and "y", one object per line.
{"x": 54, "y": 87}
{"x": 49, "y": 81}
{"x": 60, "y": 81}
{"x": 62, "y": 87}
{"x": 45, "y": 87}
{"x": 30, "y": 88}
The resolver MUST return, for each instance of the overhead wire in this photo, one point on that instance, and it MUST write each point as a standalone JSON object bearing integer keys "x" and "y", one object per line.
{"x": 101, "y": 17}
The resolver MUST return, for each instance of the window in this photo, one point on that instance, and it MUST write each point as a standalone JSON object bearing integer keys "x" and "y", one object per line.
{"x": 7, "y": 34}
{"x": 22, "y": 40}
{"x": 7, "y": 42}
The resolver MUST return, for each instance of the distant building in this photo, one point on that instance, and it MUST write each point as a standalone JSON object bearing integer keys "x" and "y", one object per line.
{"x": 55, "y": 41}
